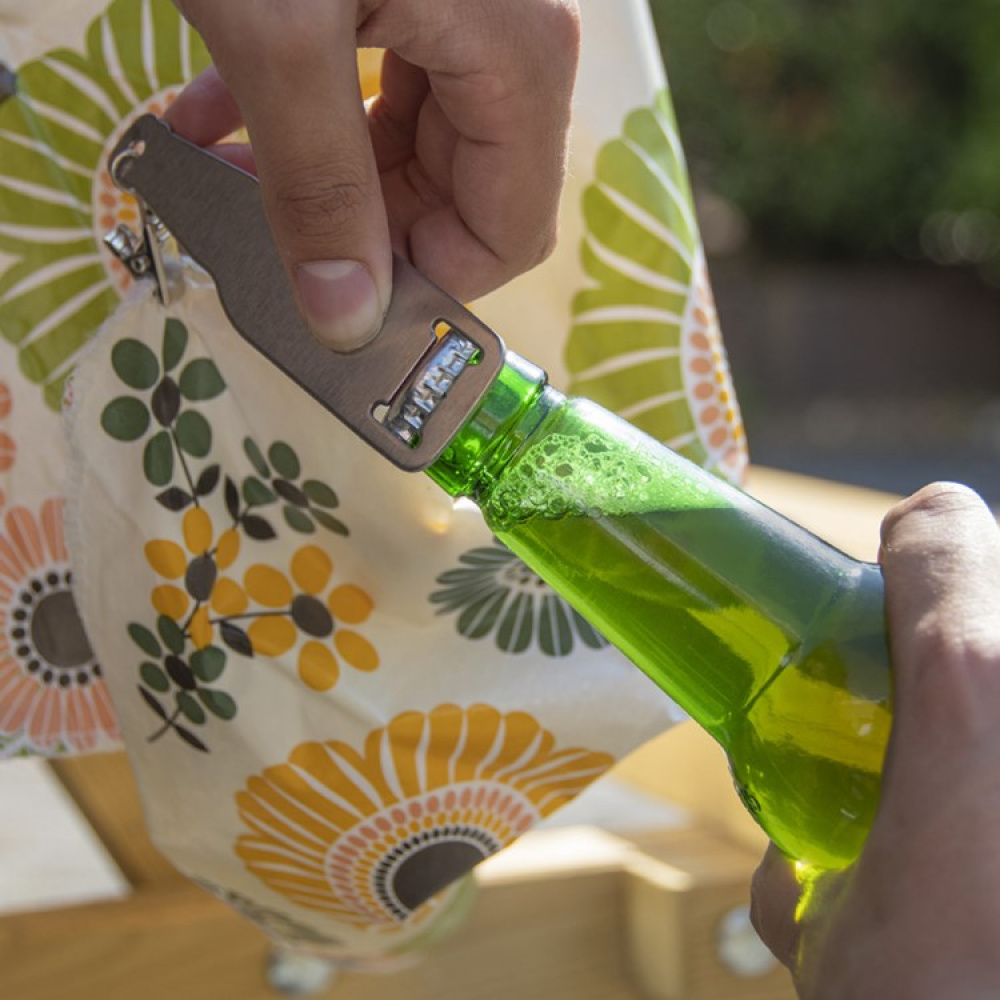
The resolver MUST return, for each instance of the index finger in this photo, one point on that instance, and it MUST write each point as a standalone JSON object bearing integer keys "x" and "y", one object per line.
{"x": 941, "y": 562}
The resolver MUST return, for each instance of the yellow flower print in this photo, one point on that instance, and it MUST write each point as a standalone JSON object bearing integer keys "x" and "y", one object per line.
{"x": 305, "y": 602}
{"x": 367, "y": 833}
{"x": 195, "y": 567}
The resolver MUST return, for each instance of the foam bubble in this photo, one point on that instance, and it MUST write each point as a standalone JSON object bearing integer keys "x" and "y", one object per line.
{"x": 591, "y": 474}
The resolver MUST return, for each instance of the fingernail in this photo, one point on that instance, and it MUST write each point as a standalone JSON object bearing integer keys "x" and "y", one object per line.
{"x": 340, "y": 302}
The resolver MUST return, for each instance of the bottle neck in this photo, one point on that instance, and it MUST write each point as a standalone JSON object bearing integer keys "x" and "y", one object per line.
{"x": 512, "y": 408}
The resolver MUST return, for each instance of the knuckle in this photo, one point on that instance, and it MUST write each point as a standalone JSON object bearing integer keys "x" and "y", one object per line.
{"x": 942, "y": 499}
{"x": 313, "y": 205}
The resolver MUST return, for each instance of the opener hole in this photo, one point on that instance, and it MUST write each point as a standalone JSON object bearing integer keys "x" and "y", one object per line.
{"x": 442, "y": 328}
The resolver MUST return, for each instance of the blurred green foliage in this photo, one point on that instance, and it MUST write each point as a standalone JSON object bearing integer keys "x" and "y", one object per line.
{"x": 844, "y": 128}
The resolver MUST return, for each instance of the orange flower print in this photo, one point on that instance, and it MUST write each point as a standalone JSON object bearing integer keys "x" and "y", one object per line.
{"x": 308, "y": 603}
{"x": 8, "y": 448}
{"x": 367, "y": 835}
{"x": 709, "y": 386}
{"x": 53, "y": 698}
{"x": 193, "y": 570}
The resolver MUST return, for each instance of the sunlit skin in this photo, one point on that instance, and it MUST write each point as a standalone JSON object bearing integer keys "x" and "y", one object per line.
{"x": 457, "y": 164}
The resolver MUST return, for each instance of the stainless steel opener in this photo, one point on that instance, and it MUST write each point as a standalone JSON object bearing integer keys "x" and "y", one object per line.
{"x": 406, "y": 393}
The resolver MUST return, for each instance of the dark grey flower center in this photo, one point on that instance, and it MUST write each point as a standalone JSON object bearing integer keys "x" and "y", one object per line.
{"x": 424, "y": 864}
{"x": 47, "y": 634}
{"x": 311, "y": 616}
{"x": 57, "y": 631}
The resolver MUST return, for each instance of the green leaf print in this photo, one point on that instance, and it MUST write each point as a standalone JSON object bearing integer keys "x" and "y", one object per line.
{"x": 284, "y": 460}
{"x": 135, "y": 364}
{"x": 158, "y": 459}
{"x": 153, "y": 677}
{"x": 175, "y": 338}
{"x": 208, "y": 663}
{"x": 201, "y": 380}
{"x": 145, "y": 640}
{"x": 125, "y": 418}
{"x": 495, "y": 594}
{"x": 220, "y": 704}
{"x": 190, "y": 709}
{"x": 194, "y": 434}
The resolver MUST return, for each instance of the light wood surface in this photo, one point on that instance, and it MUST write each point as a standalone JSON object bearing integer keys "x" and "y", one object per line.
{"x": 105, "y": 792}
{"x": 535, "y": 933}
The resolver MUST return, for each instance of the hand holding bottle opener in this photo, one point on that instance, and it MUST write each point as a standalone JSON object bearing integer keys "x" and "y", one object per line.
{"x": 406, "y": 393}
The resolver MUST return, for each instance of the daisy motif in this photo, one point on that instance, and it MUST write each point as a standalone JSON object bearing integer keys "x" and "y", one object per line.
{"x": 495, "y": 594}
{"x": 307, "y": 602}
{"x": 53, "y": 697}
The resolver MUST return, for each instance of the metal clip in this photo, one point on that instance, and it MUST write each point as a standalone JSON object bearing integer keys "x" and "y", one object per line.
{"x": 153, "y": 254}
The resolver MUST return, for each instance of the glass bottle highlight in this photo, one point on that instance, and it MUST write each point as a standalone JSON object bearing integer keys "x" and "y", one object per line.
{"x": 768, "y": 637}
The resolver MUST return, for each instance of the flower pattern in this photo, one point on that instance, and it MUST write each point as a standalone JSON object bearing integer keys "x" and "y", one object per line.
{"x": 196, "y": 564}
{"x": 709, "y": 390}
{"x": 303, "y": 603}
{"x": 368, "y": 835}
{"x": 53, "y": 698}
{"x": 645, "y": 340}
{"x": 8, "y": 447}
{"x": 496, "y": 594}
{"x": 203, "y": 614}
{"x": 56, "y": 199}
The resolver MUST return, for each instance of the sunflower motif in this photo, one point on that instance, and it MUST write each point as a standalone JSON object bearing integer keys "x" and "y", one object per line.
{"x": 56, "y": 198}
{"x": 53, "y": 698}
{"x": 640, "y": 337}
{"x": 307, "y": 602}
{"x": 8, "y": 447}
{"x": 369, "y": 836}
{"x": 496, "y": 594}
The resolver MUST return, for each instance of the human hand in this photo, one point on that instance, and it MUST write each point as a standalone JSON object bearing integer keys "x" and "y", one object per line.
{"x": 918, "y": 915}
{"x": 458, "y": 165}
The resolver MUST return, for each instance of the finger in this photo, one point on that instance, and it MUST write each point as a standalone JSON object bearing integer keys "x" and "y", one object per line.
{"x": 204, "y": 111}
{"x": 774, "y": 899}
{"x": 941, "y": 562}
{"x": 502, "y": 78}
{"x": 292, "y": 70}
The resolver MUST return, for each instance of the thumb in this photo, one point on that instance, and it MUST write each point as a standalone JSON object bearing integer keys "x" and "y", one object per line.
{"x": 292, "y": 71}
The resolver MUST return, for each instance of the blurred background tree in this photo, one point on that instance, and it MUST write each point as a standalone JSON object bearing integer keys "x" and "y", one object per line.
{"x": 845, "y": 156}
{"x": 844, "y": 128}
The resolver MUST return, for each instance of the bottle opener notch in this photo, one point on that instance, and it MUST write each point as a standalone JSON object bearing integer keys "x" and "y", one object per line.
{"x": 406, "y": 393}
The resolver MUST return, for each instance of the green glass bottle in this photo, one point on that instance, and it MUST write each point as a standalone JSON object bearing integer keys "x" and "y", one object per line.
{"x": 768, "y": 637}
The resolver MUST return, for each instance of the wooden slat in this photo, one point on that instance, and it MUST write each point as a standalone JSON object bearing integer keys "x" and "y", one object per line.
{"x": 104, "y": 790}
{"x": 534, "y": 939}
{"x": 535, "y": 933}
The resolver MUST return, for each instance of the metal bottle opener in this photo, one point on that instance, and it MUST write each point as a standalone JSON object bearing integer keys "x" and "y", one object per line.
{"x": 406, "y": 393}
